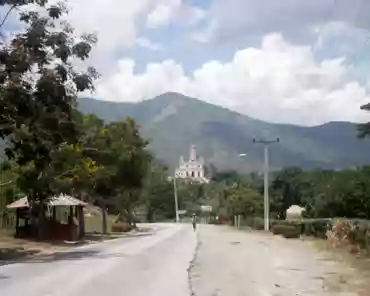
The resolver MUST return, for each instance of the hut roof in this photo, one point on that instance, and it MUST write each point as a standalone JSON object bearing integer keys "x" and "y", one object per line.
{"x": 61, "y": 200}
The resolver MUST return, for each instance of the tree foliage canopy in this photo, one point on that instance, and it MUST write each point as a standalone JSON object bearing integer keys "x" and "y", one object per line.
{"x": 38, "y": 85}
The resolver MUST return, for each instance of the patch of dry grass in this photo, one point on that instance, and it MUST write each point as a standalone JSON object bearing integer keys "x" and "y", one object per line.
{"x": 349, "y": 272}
{"x": 12, "y": 248}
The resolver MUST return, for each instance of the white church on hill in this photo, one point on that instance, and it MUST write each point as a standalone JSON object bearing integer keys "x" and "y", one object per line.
{"x": 193, "y": 169}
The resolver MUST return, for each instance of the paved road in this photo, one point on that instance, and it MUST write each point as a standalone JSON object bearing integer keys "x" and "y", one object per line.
{"x": 152, "y": 265}
{"x": 227, "y": 263}
{"x": 235, "y": 263}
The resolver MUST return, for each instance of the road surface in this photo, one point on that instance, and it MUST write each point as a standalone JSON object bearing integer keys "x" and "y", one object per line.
{"x": 175, "y": 261}
{"x": 151, "y": 265}
{"x": 239, "y": 263}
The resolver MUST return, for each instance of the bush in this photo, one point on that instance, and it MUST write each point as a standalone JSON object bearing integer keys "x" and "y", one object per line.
{"x": 120, "y": 227}
{"x": 350, "y": 232}
{"x": 254, "y": 222}
{"x": 287, "y": 231}
{"x": 359, "y": 234}
{"x": 215, "y": 221}
{"x": 315, "y": 227}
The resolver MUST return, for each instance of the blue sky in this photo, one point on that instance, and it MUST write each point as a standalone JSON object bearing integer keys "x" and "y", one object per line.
{"x": 293, "y": 61}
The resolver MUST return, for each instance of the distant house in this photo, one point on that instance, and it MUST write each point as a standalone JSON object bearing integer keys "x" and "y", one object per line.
{"x": 193, "y": 169}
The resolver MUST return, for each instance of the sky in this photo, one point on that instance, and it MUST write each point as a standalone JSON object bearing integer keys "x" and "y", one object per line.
{"x": 302, "y": 62}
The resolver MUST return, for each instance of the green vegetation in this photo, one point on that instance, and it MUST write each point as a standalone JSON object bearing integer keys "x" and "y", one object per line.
{"x": 50, "y": 147}
{"x": 324, "y": 194}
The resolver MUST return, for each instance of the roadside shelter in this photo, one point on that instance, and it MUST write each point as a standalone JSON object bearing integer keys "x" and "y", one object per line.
{"x": 63, "y": 217}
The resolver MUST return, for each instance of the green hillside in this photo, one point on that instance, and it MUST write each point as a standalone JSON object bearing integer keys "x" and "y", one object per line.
{"x": 173, "y": 122}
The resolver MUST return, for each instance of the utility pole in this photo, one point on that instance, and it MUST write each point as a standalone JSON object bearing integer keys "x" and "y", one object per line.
{"x": 266, "y": 144}
{"x": 176, "y": 201}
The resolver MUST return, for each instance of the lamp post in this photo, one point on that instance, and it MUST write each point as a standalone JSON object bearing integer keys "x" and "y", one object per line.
{"x": 266, "y": 144}
{"x": 176, "y": 200}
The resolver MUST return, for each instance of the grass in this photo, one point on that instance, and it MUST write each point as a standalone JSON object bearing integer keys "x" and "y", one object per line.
{"x": 12, "y": 248}
{"x": 354, "y": 272}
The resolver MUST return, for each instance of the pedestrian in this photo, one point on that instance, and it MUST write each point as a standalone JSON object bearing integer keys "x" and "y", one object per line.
{"x": 194, "y": 222}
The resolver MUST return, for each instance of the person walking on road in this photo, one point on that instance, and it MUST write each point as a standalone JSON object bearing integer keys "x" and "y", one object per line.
{"x": 194, "y": 222}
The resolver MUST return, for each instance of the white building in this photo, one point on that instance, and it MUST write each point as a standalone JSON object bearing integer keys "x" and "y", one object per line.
{"x": 193, "y": 169}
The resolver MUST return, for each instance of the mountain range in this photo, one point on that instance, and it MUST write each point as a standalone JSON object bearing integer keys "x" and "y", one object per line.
{"x": 173, "y": 122}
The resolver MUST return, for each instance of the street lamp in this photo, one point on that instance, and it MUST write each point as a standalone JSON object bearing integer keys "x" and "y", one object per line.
{"x": 176, "y": 200}
{"x": 266, "y": 144}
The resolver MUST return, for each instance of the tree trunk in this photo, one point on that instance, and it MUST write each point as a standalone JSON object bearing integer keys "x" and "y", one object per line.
{"x": 150, "y": 214}
{"x": 41, "y": 221}
{"x": 81, "y": 223}
{"x": 32, "y": 213}
{"x": 104, "y": 220}
{"x": 17, "y": 224}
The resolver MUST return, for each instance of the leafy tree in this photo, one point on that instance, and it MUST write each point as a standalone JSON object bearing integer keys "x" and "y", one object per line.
{"x": 244, "y": 201}
{"x": 8, "y": 187}
{"x": 158, "y": 193}
{"x": 287, "y": 189}
{"x": 228, "y": 177}
{"x": 38, "y": 87}
{"x": 364, "y": 128}
{"x": 119, "y": 150}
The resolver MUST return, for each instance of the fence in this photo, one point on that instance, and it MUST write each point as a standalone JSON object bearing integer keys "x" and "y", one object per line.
{"x": 7, "y": 221}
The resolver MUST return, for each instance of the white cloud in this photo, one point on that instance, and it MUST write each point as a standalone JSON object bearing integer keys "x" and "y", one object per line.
{"x": 277, "y": 82}
{"x": 160, "y": 16}
{"x": 236, "y": 19}
{"x": 147, "y": 43}
{"x": 169, "y": 10}
{"x": 113, "y": 20}
{"x": 118, "y": 23}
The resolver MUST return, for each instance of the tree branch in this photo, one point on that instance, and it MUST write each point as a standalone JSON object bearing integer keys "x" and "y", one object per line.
{"x": 65, "y": 173}
{"x": 7, "y": 15}
{"x": 6, "y": 183}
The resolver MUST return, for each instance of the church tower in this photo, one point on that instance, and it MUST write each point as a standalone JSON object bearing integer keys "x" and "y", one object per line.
{"x": 193, "y": 153}
{"x": 192, "y": 169}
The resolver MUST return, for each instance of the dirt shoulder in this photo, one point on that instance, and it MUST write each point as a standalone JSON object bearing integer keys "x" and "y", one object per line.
{"x": 231, "y": 262}
{"x": 14, "y": 249}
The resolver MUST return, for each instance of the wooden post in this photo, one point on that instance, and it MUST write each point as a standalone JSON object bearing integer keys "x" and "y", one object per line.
{"x": 81, "y": 220}
{"x": 17, "y": 223}
{"x": 70, "y": 216}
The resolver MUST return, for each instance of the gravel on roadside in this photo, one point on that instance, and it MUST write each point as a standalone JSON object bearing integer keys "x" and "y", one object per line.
{"x": 237, "y": 263}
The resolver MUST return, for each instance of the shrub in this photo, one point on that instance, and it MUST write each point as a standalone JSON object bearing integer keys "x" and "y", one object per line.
{"x": 315, "y": 227}
{"x": 350, "y": 232}
{"x": 215, "y": 222}
{"x": 120, "y": 227}
{"x": 287, "y": 231}
{"x": 359, "y": 233}
{"x": 256, "y": 223}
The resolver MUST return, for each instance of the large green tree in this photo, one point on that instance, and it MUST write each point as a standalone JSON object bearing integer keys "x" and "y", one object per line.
{"x": 120, "y": 154}
{"x": 287, "y": 188}
{"x": 158, "y": 193}
{"x": 38, "y": 87}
